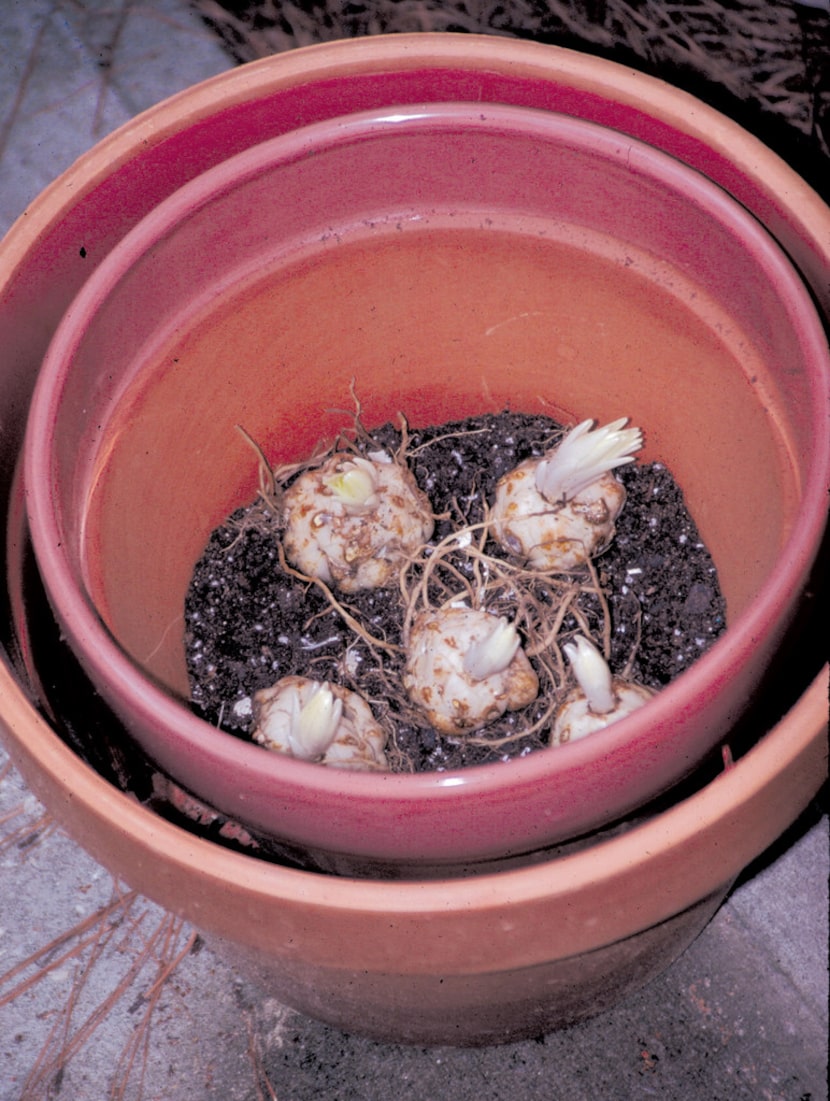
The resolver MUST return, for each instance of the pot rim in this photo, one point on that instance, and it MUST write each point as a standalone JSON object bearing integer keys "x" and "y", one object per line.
{"x": 149, "y": 700}
{"x": 709, "y": 140}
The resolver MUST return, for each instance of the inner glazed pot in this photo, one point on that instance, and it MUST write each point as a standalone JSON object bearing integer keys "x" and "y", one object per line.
{"x": 450, "y": 260}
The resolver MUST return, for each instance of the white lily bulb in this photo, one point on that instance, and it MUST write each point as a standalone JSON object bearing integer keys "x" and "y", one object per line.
{"x": 464, "y": 671}
{"x": 598, "y": 700}
{"x": 494, "y": 652}
{"x": 583, "y": 456}
{"x": 592, "y": 674}
{"x": 316, "y": 723}
{"x": 558, "y": 511}
{"x": 319, "y": 722}
{"x": 354, "y": 521}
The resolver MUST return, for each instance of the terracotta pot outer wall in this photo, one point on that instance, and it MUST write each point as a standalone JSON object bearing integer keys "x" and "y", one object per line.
{"x": 522, "y": 918}
{"x": 494, "y": 1007}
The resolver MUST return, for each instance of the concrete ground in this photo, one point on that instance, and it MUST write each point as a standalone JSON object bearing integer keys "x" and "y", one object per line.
{"x": 91, "y": 1006}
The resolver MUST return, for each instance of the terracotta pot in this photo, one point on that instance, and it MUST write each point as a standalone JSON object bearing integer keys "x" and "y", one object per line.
{"x": 502, "y": 956}
{"x": 465, "y": 283}
{"x": 499, "y": 939}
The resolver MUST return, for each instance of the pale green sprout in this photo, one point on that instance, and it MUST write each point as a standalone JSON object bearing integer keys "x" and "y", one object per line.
{"x": 584, "y": 455}
{"x": 354, "y": 485}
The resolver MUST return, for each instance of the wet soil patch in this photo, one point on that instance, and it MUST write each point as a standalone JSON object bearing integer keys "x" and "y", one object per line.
{"x": 248, "y": 623}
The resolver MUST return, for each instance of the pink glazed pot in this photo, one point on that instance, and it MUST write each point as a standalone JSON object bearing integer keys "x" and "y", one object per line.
{"x": 509, "y": 954}
{"x": 176, "y": 338}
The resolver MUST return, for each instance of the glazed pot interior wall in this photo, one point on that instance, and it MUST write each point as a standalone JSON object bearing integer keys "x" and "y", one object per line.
{"x": 659, "y": 314}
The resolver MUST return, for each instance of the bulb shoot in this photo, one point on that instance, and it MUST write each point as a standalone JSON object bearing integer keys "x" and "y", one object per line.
{"x": 598, "y": 699}
{"x": 592, "y": 674}
{"x": 354, "y": 485}
{"x": 583, "y": 456}
{"x": 315, "y": 724}
{"x": 494, "y": 652}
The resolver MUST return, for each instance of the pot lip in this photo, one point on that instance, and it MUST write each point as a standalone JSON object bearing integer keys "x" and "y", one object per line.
{"x": 667, "y": 835}
{"x": 153, "y": 702}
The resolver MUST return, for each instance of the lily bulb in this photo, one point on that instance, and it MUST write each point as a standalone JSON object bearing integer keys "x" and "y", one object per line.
{"x": 465, "y": 668}
{"x": 354, "y": 521}
{"x": 318, "y": 721}
{"x": 558, "y": 511}
{"x": 598, "y": 699}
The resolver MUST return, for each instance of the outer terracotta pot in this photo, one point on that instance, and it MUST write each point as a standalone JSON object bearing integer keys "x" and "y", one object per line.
{"x": 501, "y": 957}
{"x": 547, "y": 922}
{"x": 519, "y": 258}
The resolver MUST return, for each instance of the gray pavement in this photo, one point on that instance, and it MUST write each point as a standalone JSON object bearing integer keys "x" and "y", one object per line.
{"x": 742, "y": 1014}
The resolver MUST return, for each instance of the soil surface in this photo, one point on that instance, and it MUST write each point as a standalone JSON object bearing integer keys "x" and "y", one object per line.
{"x": 248, "y": 623}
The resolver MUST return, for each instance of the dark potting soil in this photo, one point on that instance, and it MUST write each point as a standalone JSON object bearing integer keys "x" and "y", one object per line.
{"x": 248, "y": 623}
